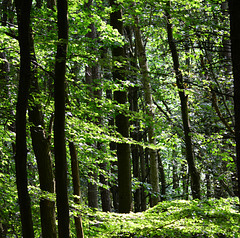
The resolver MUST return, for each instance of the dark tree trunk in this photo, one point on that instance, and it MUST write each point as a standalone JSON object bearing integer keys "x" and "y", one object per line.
{"x": 234, "y": 9}
{"x": 92, "y": 78}
{"x": 23, "y": 16}
{"x": 43, "y": 156}
{"x": 185, "y": 181}
{"x": 59, "y": 121}
{"x": 162, "y": 177}
{"x": 143, "y": 178}
{"x": 175, "y": 174}
{"x": 122, "y": 124}
{"x": 154, "y": 176}
{"x": 76, "y": 188}
{"x": 195, "y": 178}
{"x": 93, "y": 190}
{"x": 133, "y": 98}
{"x": 208, "y": 185}
{"x": 42, "y": 152}
{"x": 113, "y": 147}
{"x": 105, "y": 193}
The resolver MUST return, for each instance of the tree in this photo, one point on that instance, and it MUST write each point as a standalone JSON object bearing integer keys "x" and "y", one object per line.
{"x": 59, "y": 121}
{"x": 195, "y": 178}
{"x": 41, "y": 147}
{"x": 234, "y": 9}
{"x": 154, "y": 176}
{"x": 76, "y": 187}
{"x": 121, "y": 120}
{"x": 91, "y": 76}
{"x": 23, "y": 17}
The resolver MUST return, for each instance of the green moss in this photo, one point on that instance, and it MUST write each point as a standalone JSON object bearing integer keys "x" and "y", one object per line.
{"x": 179, "y": 218}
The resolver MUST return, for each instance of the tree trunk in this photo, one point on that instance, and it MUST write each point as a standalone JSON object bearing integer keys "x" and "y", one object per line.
{"x": 105, "y": 193}
{"x": 23, "y": 8}
{"x": 185, "y": 181}
{"x": 143, "y": 178}
{"x": 43, "y": 155}
{"x": 133, "y": 99}
{"x": 175, "y": 173}
{"x": 195, "y": 178}
{"x": 122, "y": 124}
{"x": 208, "y": 185}
{"x": 162, "y": 177}
{"x": 113, "y": 147}
{"x": 59, "y": 121}
{"x": 154, "y": 177}
{"x": 76, "y": 187}
{"x": 234, "y": 9}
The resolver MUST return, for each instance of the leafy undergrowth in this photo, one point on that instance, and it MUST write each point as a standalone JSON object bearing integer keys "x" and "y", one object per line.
{"x": 179, "y": 218}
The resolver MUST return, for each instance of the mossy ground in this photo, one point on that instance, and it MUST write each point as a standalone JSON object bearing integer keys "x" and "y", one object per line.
{"x": 178, "y": 218}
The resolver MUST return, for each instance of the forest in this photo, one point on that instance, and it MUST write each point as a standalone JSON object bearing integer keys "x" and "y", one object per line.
{"x": 119, "y": 118}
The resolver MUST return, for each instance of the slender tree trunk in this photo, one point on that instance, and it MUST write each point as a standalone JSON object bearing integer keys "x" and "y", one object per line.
{"x": 59, "y": 121}
{"x": 76, "y": 188}
{"x": 208, "y": 185}
{"x": 105, "y": 193}
{"x": 92, "y": 78}
{"x": 133, "y": 98}
{"x": 122, "y": 124}
{"x": 143, "y": 179}
{"x": 92, "y": 186}
{"x": 162, "y": 177}
{"x": 185, "y": 181}
{"x": 23, "y": 16}
{"x": 234, "y": 9}
{"x": 113, "y": 147}
{"x": 175, "y": 173}
{"x": 195, "y": 178}
{"x": 43, "y": 155}
{"x": 154, "y": 176}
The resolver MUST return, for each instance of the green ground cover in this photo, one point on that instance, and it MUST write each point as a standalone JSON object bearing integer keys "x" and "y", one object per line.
{"x": 178, "y": 218}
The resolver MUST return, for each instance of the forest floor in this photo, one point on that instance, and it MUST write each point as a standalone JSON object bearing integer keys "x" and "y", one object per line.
{"x": 178, "y": 218}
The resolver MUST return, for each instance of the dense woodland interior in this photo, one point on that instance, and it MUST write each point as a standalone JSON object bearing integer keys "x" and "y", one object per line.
{"x": 117, "y": 106}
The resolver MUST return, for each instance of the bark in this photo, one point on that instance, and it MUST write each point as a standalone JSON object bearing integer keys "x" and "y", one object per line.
{"x": 105, "y": 193}
{"x": 23, "y": 8}
{"x": 185, "y": 181}
{"x": 113, "y": 147}
{"x": 162, "y": 177}
{"x": 208, "y": 185}
{"x": 122, "y": 124}
{"x": 133, "y": 98}
{"x": 92, "y": 186}
{"x": 51, "y": 4}
{"x": 93, "y": 190}
{"x": 195, "y": 178}
{"x": 143, "y": 179}
{"x": 175, "y": 175}
{"x": 42, "y": 153}
{"x": 91, "y": 75}
{"x": 234, "y": 10}
{"x": 226, "y": 54}
{"x": 154, "y": 177}
{"x": 59, "y": 122}
{"x": 76, "y": 188}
